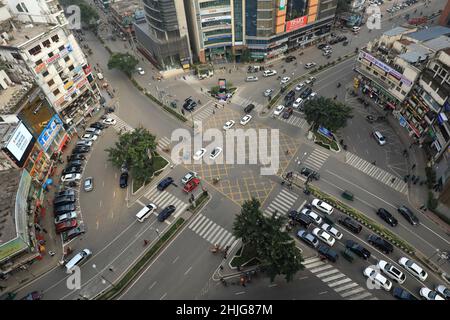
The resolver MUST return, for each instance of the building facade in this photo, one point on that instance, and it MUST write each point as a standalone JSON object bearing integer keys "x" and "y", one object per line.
{"x": 444, "y": 19}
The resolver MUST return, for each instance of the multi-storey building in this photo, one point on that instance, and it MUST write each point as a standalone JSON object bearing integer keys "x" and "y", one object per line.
{"x": 125, "y": 13}
{"x": 444, "y": 19}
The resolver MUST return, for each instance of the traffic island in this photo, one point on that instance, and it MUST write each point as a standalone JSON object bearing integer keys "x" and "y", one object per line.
{"x": 245, "y": 257}
{"x": 200, "y": 202}
{"x": 160, "y": 163}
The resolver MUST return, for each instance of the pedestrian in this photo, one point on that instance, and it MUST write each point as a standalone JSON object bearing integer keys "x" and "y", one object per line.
{"x": 221, "y": 267}
{"x": 243, "y": 281}
{"x": 224, "y": 255}
{"x": 374, "y": 163}
{"x": 51, "y": 253}
{"x": 392, "y": 180}
{"x": 413, "y": 166}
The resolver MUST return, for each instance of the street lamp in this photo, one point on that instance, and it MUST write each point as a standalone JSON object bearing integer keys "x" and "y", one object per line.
{"x": 301, "y": 160}
{"x": 104, "y": 280}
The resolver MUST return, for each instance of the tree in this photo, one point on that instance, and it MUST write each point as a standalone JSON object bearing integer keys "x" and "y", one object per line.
{"x": 123, "y": 61}
{"x": 343, "y": 6}
{"x": 133, "y": 148}
{"x": 329, "y": 113}
{"x": 274, "y": 248}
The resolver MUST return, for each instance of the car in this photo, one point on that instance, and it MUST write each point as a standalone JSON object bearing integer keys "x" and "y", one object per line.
{"x": 228, "y": 125}
{"x": 305, "y": 93}
{"x": 191, "y": 185}
{"x": 163, "y": 215}
{"x": 408, "y": 215}
{"x": 215, "y": 153}
{"x": 317, "y": 219}
{"x": 63, "y": 200}
{"x": 413, "y": 268}
{"x": 300, "y": 86}
{"x": 199, "y": 154}
{"x": 268, "y": 73}
{"x": 308, "y": 238}
{"x": 66, "y": 225}
{"x": 300, "y": 218}
{"x": 72, "y": 233}
{"x": 285, "y": 80}
{"x": 327, "y": 48}
{"x": 290, "y": 58}
{"x": 72, "y": 169}
{"x": 123, "y": 180}
{"x": 189, "y": 104}
{"x": 307, "y": 172}
{"x": 278, "y": 110}
{"x": 328, "y": 253}
{"x": 81, "y": 149}
{"x": 391, "y": 271}
{"x": 268, "y": 92}
{"x": 71, "y": 177}
{"x": 327, "y": 53}
{"x": 287, "y": 113}
{"x": 98, "y": 125}
{"x": 356, "y": 29}
{"x": 387, "y": 216}
{"x": 95, "y": 131}
{"x": 84, "y": 143}
{"x": 164, "y": 183}
{"x": 109, "y": 121}
{"x": 35, "y": 295}
{"x": 65, "y": 217}
{"x": 357, "y": 249}
{"x": 430, "y": 294}
{"x": 298, "y": 103}
{"x": 322, "y": 206}
{"x": 312, "y": 96}
{"x": 78, "y": 156}
{"x": 188, "y": 177}
{"x": 58, "y": 210}
{"x": 379, "y": 138}
{"x": 249, "y": 108}
{"x": 88, "y": 184}
{"x": 378, "y": 278}
{"x": 403, "y": 294}
{"x": 251, "y": 78}
{"x": 324, "y": 236}
{"x": 140, "y": 71}
{"x": 89, "y": 137}
{"x": 246, "y": 119}
{"x": 332, "y": 230}
{"x": 350, "y": 224}
{"x": 321, "y": 46}
{"x": 380, "y": 243}
{"x": 75, "y": 163}
{"x": 289, "y": 96}
{"x": 65, "y": 193}
{"x": 310, "y": 65}
{"x": 310, "y": 80}
{"x": 443, "y": 291}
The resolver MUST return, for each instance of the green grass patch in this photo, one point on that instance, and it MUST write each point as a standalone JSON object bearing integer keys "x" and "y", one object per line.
{"x": 324, "y": 142}
{"x": 199, "y": 202}
{"x": 158, "y": 164}
{"x": 245, "y": 257}
{"x": 133, "y": 272}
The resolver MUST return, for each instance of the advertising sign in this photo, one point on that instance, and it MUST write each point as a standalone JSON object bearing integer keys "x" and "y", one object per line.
{"x": 222, "y": 84}
{"x": 325, "y": 132}
{"x": 282, "y": 4}
{"x": 296, "y": 23}
{"x": 19, "y": 142}
{"x": 216, "y": 18}
{"x": 392, "y": 72}
{"x": 49, "y": 133}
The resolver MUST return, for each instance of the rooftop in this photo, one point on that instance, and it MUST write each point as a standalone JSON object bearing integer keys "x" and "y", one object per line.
{"x": 11, "y": 98}
{"x": 8, "y": 190}
{"x": 126, "y": 6}
{"x": 396, "y": 31}
{"x": 438, "y": 43}
{"x": 19, "y": 33}
{"x": 430, "y": 33}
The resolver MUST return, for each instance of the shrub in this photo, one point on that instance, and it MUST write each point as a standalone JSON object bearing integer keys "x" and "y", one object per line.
{"x": 432, "y": 201}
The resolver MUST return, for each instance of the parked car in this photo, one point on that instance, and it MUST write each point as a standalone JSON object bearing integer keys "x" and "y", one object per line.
{"x": 83, "y": 143}
{"x": 123, "y": 180}
{"x": 307, "y": 172}
{"x": 164, "y": 183}
{"x": 403, "y": 294}
{"x": 378, "y": 278}
{"x": 298, "y": 103}
{"x": 430, "y": 294}
{"x": 287, "y": 113}
{"x": 350, "y": 224}
{"x": 140, "y": 71}
{"x": 246, "y": 119}
{"x": 285, "y": 80}
{"x": 332, "y": 230}
{"x": 89, "y": 137}
{"x": 310, "y": 65}
{"x": 314, "y": 216}
{"x": 35, "y": 295}
{"x": 65, "y": 217}
{"x": 249, "y": 108}
{"x": 189, "y": 104}
{"x": 66, "y": 192}
{"x": 289, "y": 96}
{"x": 324, "y": 236}
{"x": 380, "y": 243}
{"x": 310, "y": 80}
{"x": 163, "y": 215}
{"x": 290, "y": 58}
{"x": 268, "y": 92}
{"x": 413, "y": 268}
{"x": 228, "y": 125}
{"x": 72, "y": 233}
{"x": 308, "y": 238}
{"x": 300, "y": 218}
{"x": 408, "y": 215}
{"x": 215, "y": 153}
{"x": 99, "y": 125}
{"x": 66, "y": 225}
{"x": 268, "y": 73}
{"x": 278, "y": 110}
{"x": 81, "y": 149}
{"x": 312, "y": 96}
{"x": 58, "y": 210}
{"x": 109, "y": 121}
{"x": 191, "y": 185}
{"x": 88, "y": 184}
{"x": 71, "y": 177}
{"x": 357, "y": 249}
{"x": 72, "y": 169}
{"x": 188, "y": 177}
{"x": 379, "y": 138}
{"x": 322, "y": 206}
{"x": 391, "y": 271}
{"x": 75, "y": 157}
{"x": 387, "y": 216}
{"x": 63, "y": 200}
{"x": 328, "y": 253}
{"x": 327, "y": 53}
{"x": 305, "y": 93}
{"x": 199, "y": 154}
{"x": 75, "y": 163}
{"x": 95, "y": 131}
{"x": 300, "y": 86}
{"x": 321, "y": 46}
{"x": 251, "y": 78}
{"x": 443, "y": 291}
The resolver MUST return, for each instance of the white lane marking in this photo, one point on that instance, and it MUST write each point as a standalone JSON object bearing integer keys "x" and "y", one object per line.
{"x": 348, "y": 286}
{"x": 323, "y": 292}
{"x": 153, "y": 284}
{"x": 336, "y": 283}
{"x": 187, "y": 271}
{"x": 114, "y": 194}
{"x": 176, "y": 259}
{"x": 103, "y": 183}
{"x": 140, "y": 202}
{"x": 363, "y": 295}
{"x": 163, "y": 296}
{"x": 434, "y": 233}
{"x": 101, "y": 203}
{"x": 238, "y": 293}
{"x": 352, "y": 292}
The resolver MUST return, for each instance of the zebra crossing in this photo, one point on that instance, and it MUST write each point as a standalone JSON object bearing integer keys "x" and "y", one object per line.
{"x": 336, "y": 280}
{"x": 163, "y": 199}
{"x": 205, "y": 112}
{"x": 246, "y": 101}
{"x": 282, "y": 203}
{"x": 120, "y": 126}
{"x": 376, "y": 173}
{"x": 316, "y": 159}
{"x": 164, "y": 143}
{"x": 212, "y": 232}
{"x": 295, "y": 121}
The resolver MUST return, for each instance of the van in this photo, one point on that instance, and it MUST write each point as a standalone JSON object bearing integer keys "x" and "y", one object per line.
{"x": 79, "y": 257}
{"x": 379, "y": 138}
{"x": 269, "y": 73}
{"x": 145, "y": 212}
{"x": 350, "y": 224}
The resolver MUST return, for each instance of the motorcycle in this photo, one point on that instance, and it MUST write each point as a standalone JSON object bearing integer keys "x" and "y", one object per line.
{"x": 339, "y": 85}
{"x": 370, "y": 118}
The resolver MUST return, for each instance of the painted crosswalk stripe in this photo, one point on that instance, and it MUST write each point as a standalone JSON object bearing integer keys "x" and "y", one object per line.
{"x": 232, "y": 242}
{"x": 202, "y": 221}
{"x": 309, "y": 260}
{"x": 218, "y": 235}
{"x": 213, "y": 233}
{"x": 202, "y": 232}
{"x": 314, "y": 264}
{"x": 336, "y": 283}
{"x": 205, "y": 236}
{"x": 196, "y": 220}
{"x": 180, "y": 210}
{"x": 293, "y": 197}
{"x": 348, "y": 286}
{"x": 222, "y": 237}
{"x": 352, "y": 292}
{"x": 335, "y": 277}
{"x": 363, "y": 295}
{"x": 224, "y": 241}
{"x": 327, "y": 273}
{"x": 327, "y": 266}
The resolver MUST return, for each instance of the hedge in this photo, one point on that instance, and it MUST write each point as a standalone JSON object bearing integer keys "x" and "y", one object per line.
{"x": 199, "y": 202}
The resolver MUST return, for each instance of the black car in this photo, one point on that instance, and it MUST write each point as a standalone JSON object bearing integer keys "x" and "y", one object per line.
{"x": 75, "y": 163}
{"x": 81, "y": 149}
{"x": 98, "y": 125}
{"x": 387, "y": 216}
{"x": 310, "y": 173}
{"x": 189, "y": 104}
{"x": 380, "y": 243}
{"x": 357, "y": 249}
{"x": 58, "y": 210}
{"x": 408, "y": 215}
{"x": 290, "y": 95}
{"x": 65, "y": 193}
{"x": 249, "y": 108}
{"x": 287, "y": 113}
{"x": 72, "y": 233}
{"x": 321, "y": 46}
{"x": 77, "y": 156}
{"x": 290, "y": 58}
{"x": 300, "y": 218}
{"x": 163, "y": 215}
{"x": 72, "y": 169}
{"x": 163, "y": 184}
{"x": 123, "y": 181}
{"x": 305, "y": 93}
{"x": 350, "y": 224}
{"x": 402, "y": 294}
{"x": 328, "y": 253}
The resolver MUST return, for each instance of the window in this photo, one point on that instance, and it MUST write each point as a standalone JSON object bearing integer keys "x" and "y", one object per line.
{"x": 16, "y": 56}
{"x": 50, "y": 54}
{"x": 46, "y": 43}
{"x": 45, "y": 74}
{"x": 71, "y": 68}
{"x": 55, "y": 38}
{"x": 38, "y": 62}
{"x": 56, "y": 92}
{"x": 67, "y": 58}
{"x": 61, "y": 48}
{"x": 51, "y": 82}
{"x": 436, "y": 67}
{"x": 34, "y": 51}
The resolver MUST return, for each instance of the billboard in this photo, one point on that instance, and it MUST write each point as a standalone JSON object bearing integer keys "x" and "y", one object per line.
{"x": 20, "y": 141}
{"x": 296, "y": 23}
{"x": 49, "y": 133}
{"x": 390, "y": 71}
{"x": 222, "y": 84}
{"x": 282, "y": 5}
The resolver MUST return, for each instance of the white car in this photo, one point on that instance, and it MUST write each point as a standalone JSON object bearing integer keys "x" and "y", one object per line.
{"x": 327, "y": 53}
{"x": 94, "y": 131}
{"x": 391, "y": 271}
{"x": 140, "y": 71}
{"x": 430, "y": 294}
{"x": 88, "y": 184}
{"x": 326, "y": 48}
{"x": 322, "y": 206}
{"x": 298, "y": 103}
{"x": 278, "y": 110}
{"x": 89, "y": 137}
{"x": 269, "y": 73}
{"x": 332, "y": 230}
{"x": 312, "y": 215}
{"x": 188, "y": 177}
{"x": 84, "y": 143}
{"x": 309, "y": 65}
{"x": 299, "y": 86}
{"x": 413, "y": 268}
{"x": 246, "y": 119}
{"x": 199, "y": 154}
{"x": 65, "y": 217}
{"x": 228, "y": 125}
{"x": 312, "y": 96}
{"x": 356, "y": 29}
{"x": 378, "y": 278}
{"x": 251, "y": 78}
{"x": 268, "y": 92}
{"x": 109, "y": 121}
{"x": 443, "y": 291}
{"x": 285, "y": 80}
{"x": 310, "y": 80}
{"x": 215, "y": 153}
{"x": 324, "y": 236}
{"x": 71, "y": 177}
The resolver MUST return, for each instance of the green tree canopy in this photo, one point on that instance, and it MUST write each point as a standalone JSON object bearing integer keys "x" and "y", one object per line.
{"x": 327, "y": 112}
{"x": 273, "y": 247}
{"x": 123, "y": 61}
{"x": 134, "y": 148}
{"x": 343, "y": 6}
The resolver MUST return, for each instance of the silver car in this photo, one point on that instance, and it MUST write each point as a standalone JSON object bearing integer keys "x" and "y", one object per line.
{"x": 88, "y": 184}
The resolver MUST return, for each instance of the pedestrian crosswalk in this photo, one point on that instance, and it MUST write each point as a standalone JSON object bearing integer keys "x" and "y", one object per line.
{"x": 120, "y": 126}
{"x": 316, "y": 159}
{"x": 282, "y": 203}
{"x": 164, "y": 143}
{"x": 163, "y": 199}
{"x": 295, "y": 121}
{"x": 245, "y": 102}
{"x": 212, "y": 232}
{"x": 376, "y": 173}
{"x": 336, "y": 280}
{"x": 206, "y": 112}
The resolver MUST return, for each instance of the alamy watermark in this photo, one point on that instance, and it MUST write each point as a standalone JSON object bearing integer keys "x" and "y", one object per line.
{"x": 371, "y": 283}
{"x": 73, "y": 15}
{"x": 373, "y": 17}
{"x": 73, "y": 281}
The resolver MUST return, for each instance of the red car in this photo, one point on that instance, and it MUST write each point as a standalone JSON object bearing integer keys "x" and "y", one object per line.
{"x": 191, "y": 185}
{"x": 66, "y": 225}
